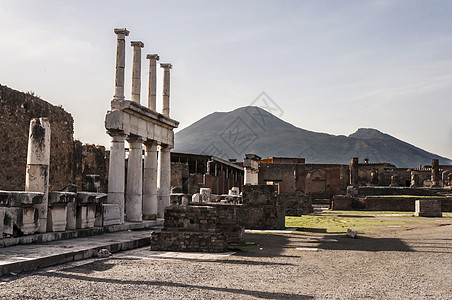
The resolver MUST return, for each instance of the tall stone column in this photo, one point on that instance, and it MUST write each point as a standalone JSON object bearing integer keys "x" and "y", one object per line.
{"x": 354, "y": 171}
{"x": 116, "y": 172}
{"x": 435, "y": 172}
{"x": 121, "y": 34}
{"x": 150, "y": 199}
{"x": 164, "y": 180}
{"x": 136, "y": 70}
{"x": 134, "y": 193}
{"x": 38, "y": 161}
{"x": 166, "y": 89}
{"x": 152, "y": 86}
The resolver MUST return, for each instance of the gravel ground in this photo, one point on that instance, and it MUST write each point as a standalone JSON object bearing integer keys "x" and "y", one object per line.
{"x": 396, "y": 263}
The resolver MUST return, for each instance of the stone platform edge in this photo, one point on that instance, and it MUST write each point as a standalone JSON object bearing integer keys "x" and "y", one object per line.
{"x": 78, "y": 233}
{"x": 51, "y": 260}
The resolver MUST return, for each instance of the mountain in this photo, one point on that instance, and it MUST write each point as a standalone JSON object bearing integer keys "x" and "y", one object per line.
{"x": 252, "y": 129}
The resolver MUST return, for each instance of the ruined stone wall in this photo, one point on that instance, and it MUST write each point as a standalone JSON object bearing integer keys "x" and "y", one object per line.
{"x": 205, "y": 228}
{"x": 179, "y": 177}
{"x": 93, "y": 160}
{"x": 16, "y": 111}
{"x": 261, "y": 209}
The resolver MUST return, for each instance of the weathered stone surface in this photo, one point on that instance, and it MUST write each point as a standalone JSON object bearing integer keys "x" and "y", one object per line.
{"x": 57, "y": 217}
{"x": 261, "y": 209}
{"x": 234, "y": 191}
{"x": 17, "y": 109}
{"x": 85, "y": 216}
{"x": 196, "y": 198}
{"x": 352, "y": 233}
{"x": 296, "y": 204}
{"x": 206, "y": 194}
{"x": 342, "y": 202}
{"x": 428, "y": 208}
{"x": 206, "y": 228}
{"x": 18, "y": 199}
{"x": 110, "y": 214}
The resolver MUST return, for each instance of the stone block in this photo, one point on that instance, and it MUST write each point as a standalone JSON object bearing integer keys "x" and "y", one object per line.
{"x": 234, "y": 191}
{"x": 196, "y": 198}
{"x": 110, "y": 214}
{"x": 30, "y": 220}
{"x": 57, "y": 217}
{"x": 86, "y": 216}
{"x": 10, "y": 219}
{"x": 71, "y": 217}
{"x": 206, "y": 194}
{"x": 428, "y": 208}
{"x": 18, "y": 199}
{"x": 342, "y": 202}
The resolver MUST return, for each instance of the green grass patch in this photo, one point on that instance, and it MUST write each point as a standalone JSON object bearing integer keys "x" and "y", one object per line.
{"x": 339, "y": 224}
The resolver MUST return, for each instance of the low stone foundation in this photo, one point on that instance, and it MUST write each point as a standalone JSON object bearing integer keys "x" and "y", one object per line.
{"x": 296, "y": 203}
{"x": 342, "y": 202}
{"x": 428, "y": 208}
{"x": 375, "y": 203}
{"x": 261, "y": 209}
{"x": 198, "y": 228}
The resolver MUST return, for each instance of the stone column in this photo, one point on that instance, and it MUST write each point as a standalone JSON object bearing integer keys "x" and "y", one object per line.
{"x": 121, "y": 34}
{"x": 152, "y": 86}
{"x": 134, "y": 199}
{"x": 166, "y": 89}
{"x": 354, "y": 171}
{"x": 435, "y": 172}
{"x": 164, "y": 179}
{"x": 116, "y": 172}
{"x": 251, "y": 169}
{"x": 136, "y": 70}
{"x": 38, "y": 160}
{"x": 150, "y": 182}
{"x": 414, "y": 179}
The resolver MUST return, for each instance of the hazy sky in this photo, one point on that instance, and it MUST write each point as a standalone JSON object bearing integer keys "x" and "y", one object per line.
{"x": 331, "y": 66}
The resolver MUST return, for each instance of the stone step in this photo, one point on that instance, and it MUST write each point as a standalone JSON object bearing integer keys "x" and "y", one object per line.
{"x": 21, "y": 258}
{"x": 321, "y": 201}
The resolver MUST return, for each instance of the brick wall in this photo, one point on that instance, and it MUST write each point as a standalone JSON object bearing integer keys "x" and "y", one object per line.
{"x": 16, "y": 111}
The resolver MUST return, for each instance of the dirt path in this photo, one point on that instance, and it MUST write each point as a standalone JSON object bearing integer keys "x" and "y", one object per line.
{"x": 394, "y": 263}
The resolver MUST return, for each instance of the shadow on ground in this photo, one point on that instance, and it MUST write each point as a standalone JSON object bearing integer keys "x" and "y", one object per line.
{"x": 257, "y": 294}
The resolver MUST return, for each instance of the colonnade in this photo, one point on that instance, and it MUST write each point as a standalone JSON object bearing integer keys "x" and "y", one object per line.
{"x": 148, "y": 184}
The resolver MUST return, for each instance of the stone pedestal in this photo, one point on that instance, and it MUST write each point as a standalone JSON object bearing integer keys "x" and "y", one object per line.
{"x": 116, "y": 173}
{"x": 206, "y": 194}
{"x": 88, "y": 206}
{"x": 150, "y": 182}
{"x": 19, "y": 212}
{"x": 134, "y": 199}
{"x": 428, "y": 208}
{"x": 57, "y": 216}
{"x": 38, "y": 160}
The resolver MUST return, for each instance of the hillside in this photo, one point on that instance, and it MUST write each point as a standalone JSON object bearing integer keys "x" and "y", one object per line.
{"x": 254, "y": 130}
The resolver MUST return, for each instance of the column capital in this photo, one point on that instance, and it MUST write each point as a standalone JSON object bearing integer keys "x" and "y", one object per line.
{"x": 153, "y": 56}
{"x": 117, "y": 135}
{"x": 166, "y": 66}
{"x": 134, "y": 139}
{"x": 123, "y": 31}
{"x": 137, "y": 44}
